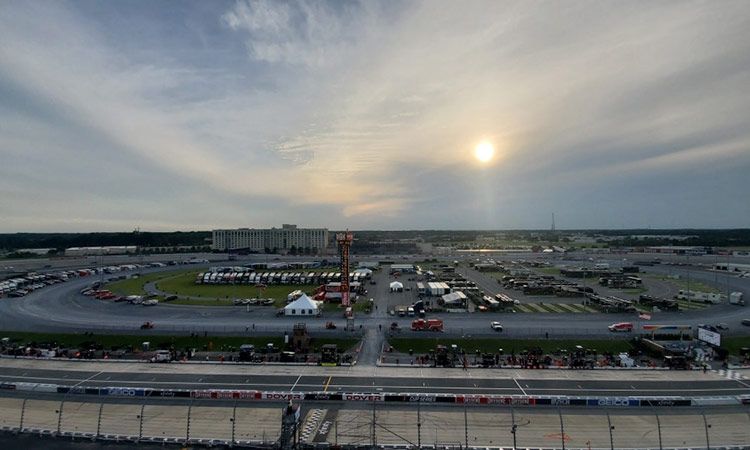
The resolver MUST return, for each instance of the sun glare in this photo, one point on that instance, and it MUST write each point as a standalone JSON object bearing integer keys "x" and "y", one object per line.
{"x": 484, "y": 151}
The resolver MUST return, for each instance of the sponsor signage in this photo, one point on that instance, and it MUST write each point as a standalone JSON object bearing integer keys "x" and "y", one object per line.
{"x": 495, "y": 400}
{"x": 77, "y": 390}
{"x": 323, "y": 396}
{"x": 283, "y": 396}
{"x": 423, "y": 398}
{"x": 122, "y": 392}
{"x": 363, "y": 397}
{"x": 613, "y": 401}
{"x": 168, "y": 393}
{"x": 709, "y": 337}
{"x": 666, "y": 402}
{"x": 8, "y": 387}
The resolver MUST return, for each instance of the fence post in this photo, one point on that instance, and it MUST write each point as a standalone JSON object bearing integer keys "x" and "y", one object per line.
{"x": 562, "y": 428}
{"x": 513, "y": 427}
{"x": 419, "y": 422}
{"x": 187, "y": 430}
{"x": 140, "y": 425}
{"x": 466, "y": 427}
{"x": 611, "y": 438}
{"x": 59, "y": 416}
{"x": 707, "y": 426}
{"x": 373, "y": 440}
{"x": 99, "y": 421}
{"x": 23, "y": 411}
{"x": 658, "y": 428}
{"x": 234, "y": 421}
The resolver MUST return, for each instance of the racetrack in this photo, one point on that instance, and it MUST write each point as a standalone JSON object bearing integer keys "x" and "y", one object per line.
{"x": 60, "y": 308}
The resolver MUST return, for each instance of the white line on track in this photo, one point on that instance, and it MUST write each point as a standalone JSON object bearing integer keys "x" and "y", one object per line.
{"x": 519, "y": 386}
{"x": 295, "y": 383}
{"x": 89, "y": 378}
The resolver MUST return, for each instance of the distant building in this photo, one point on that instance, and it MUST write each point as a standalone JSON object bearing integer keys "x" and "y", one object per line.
{"x": 732, "y": 267}
{"x": 677, "y": 250}
{"x": 284, "y": 238}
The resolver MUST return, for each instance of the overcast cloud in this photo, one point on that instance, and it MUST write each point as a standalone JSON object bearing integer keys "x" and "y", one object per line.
{"x": 195, "y": 115}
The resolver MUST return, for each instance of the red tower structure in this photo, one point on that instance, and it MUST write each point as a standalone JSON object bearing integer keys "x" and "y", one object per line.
{"x": 345, "y": 241}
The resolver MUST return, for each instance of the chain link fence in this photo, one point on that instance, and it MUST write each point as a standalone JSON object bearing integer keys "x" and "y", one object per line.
{"x": 242, "y": 424}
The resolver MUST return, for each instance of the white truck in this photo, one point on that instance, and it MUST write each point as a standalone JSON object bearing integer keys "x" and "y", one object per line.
{"x": 735, "y": 298}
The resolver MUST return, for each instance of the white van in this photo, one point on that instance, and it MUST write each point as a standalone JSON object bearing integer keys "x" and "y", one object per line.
{"x": 161, "y": 356}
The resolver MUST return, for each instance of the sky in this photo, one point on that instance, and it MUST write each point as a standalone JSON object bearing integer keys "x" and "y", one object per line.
{"x": 365, "y": 114}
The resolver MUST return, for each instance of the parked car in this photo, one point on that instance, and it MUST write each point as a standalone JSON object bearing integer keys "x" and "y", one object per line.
{"x": 496, "y": 326}
{"x": 162, "y": 356}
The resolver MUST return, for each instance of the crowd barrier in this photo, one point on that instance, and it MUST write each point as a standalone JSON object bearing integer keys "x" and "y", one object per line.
{"x": 460, "y": 399}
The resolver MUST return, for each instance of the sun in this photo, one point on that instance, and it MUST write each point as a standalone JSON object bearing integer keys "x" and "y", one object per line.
{"x": 484, "y": 152}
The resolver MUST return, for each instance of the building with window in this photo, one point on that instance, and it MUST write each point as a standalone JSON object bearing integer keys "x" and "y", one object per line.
{"x": 313, "y": 240}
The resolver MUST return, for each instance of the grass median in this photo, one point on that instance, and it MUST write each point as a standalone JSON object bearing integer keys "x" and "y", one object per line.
{"x": 121, "y": 341}
{"x": 491, "y": 345}
{"x": 184, "y": 285}
{"x": 134, "y": 286}
{"x": 682, "y": 283}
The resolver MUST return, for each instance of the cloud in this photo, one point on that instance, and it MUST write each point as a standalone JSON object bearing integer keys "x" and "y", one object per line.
{"x": 362, "y": 114}
{"x": 305, "y": 33}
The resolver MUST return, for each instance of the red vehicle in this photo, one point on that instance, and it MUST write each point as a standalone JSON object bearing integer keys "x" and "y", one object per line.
{"x": 622, "y": 326}
{"x": 427, "y": 325}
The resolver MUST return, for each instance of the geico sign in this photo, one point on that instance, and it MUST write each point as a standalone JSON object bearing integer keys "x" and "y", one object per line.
{"x": 614, "y": 402}
{"x": 281, "y": 396}
{"x": 363, "y": 397}
{"x": 124, "y": 392}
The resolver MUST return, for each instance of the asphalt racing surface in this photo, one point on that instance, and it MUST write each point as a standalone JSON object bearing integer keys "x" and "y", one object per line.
{"x": 346, "y": 383}
{"x": 61, "y": 308}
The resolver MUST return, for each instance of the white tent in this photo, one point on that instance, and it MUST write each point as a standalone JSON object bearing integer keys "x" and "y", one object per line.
{"x": 454, "y": 299}
{"x": 364, "y": 272}
{"x": 303, "y": 306}
{"x": 397, "y": 286}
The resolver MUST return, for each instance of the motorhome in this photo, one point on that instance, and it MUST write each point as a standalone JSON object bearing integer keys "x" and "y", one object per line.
{"x": 696, "y": 296}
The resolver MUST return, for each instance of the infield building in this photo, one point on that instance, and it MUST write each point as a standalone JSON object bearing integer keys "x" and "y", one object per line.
{"x": 284, "y": 238}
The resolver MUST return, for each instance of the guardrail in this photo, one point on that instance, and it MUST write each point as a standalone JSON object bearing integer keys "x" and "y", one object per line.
{"x": 397, "y": 397}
